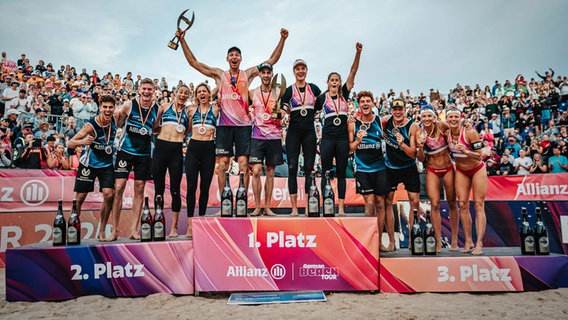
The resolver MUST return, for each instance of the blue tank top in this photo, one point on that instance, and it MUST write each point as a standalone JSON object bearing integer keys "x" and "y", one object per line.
{"x": 369, "y": 154}
{"x": 99, "y": 153}
{"x": 395, "y": 156}
{"x": 208, "y": 119}
{"x": 170, "y": 116}
{"x": 136, "y": 138}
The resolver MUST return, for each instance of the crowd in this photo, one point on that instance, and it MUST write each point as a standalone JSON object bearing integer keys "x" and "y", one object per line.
{"x": 520, "y": 123}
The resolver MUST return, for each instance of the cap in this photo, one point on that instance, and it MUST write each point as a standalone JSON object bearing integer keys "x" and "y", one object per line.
{"x": 42, "y": 122}
{"x": 494, "y": 115}
{"x": 299, "y": 62}
{"x": 39, "y": 110}
{"x": 11, "y": 112}
{"x": 233, "y": 48}
{"x": 65, "y": 100}
{"x": 398, "y": 103}
{"x": 27, "y": 125}
{"x": 16, "y": 82}
{"x": 264, "y": 65}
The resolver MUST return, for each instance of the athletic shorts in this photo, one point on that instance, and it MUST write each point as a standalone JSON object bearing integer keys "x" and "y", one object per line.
{"x": 125, "y": 162}
{"x": 226, "y": 137}
{"x": 266, "y": 150}
{"x": 407, "y": 176}
{"x": 372, "y": 183}
{"x": 85, "y": 180}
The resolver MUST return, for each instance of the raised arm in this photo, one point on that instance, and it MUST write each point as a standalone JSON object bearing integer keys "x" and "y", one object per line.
{"x": 252, "y": 72}
{"x": 84, "y": 137}
{"x": 214, "y": 73}
{"x": 350, "y": 82}
{"x": 121, "y": 114}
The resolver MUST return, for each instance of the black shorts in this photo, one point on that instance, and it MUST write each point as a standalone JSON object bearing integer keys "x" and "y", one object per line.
{"x": 372, "y": 183}
{"x": 226, "y": 137}
{"x": 85, "y": 180}
{"x": 125, "y": 162}
{"x": 407, "y": 176}
{"x": 269, "y": 150}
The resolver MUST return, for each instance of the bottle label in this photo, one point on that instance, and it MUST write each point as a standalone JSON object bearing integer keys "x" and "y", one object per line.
{"x": 529, "y": 244}
{"x": 57, "y": 235}
{"x": 328, "y": 206}
{"x": 543, "y": 244}
{"x": 418, "y": 245}
{"x": 72, "y": 235}
{"x": 226, "y": 208}
{"x": 145, "y": 231}
{"x": 241, "y": 208}
{"x": 430, "y": 244}
{"x": 159, "y": 230}
{"x": 313, "y": 205}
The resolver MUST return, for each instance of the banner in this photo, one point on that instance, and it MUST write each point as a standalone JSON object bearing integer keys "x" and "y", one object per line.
{"x": 271, "y": 254}
{"x": 112, "y": 270}
{"x": 532, "y": 187}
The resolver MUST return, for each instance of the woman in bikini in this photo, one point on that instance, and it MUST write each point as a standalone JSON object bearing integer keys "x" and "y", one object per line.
{"x": 471, "y": 176}
{"x": 433, "y": 151}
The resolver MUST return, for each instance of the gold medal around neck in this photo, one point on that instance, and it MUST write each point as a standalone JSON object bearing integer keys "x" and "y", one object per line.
{"x": 303, "y": 112}
{"x": 337, "y": 121}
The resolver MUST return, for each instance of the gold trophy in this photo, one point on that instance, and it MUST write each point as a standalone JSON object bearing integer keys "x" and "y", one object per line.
{"x": 174, "y": 43}
{"x": 276, "y": 113}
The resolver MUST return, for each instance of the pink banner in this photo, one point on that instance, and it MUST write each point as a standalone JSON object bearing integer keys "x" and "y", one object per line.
{"x": 450, "y": 274}
{"x": 256, "y": 254}
{"x": 533, "y": 187}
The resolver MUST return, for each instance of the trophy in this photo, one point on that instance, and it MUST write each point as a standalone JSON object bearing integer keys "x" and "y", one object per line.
{"x": 276, "y": 113}
{"x": 174, "y": 43}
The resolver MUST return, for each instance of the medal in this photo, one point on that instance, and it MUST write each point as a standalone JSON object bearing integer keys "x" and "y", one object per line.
{"x": 179, "y": 128}
{"x": 202, "y": 130}
{"x": 395, "y": 131}
{"x": 364, "y": 126}
{"x": 143, "y": 131}
{"x": 337, "y": 121}
{"x": 266, "y": 117}
{"x": 303, "y": 112}
{"x": 108, "y": 149}
{"x": 337, "y": 107}
{"x": 235, "y": 96}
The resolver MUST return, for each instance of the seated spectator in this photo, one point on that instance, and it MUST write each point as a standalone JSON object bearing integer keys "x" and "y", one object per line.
{"x": 44, "y": 131}
{"x": 506, "y": 168}
{"x": 492, "y": 168}
{"x": 557, "y": 163}
{"x": 539, "y": 165}
{"x": 5, "y": 156}
{"x": 32, "y": 154}
{"x": 70, "y": 130}
{"x": 523, "y": 163}
{"x": 514, "y": 146}
{"x": 74, "y": 158}
{"x": 56, "y": 160}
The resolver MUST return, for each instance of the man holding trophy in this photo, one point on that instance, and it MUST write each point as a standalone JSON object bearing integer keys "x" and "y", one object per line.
{"x": 235, "y": 124}
{"x": 266, "y": 142}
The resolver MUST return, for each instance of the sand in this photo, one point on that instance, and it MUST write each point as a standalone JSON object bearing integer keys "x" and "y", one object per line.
{"x": 549, "y": 305}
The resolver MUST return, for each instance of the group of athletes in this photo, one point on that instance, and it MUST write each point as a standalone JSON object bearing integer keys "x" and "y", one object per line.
{"x": 241, "y": 123}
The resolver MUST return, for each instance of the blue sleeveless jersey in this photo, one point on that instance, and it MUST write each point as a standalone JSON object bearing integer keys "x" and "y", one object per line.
{"x": 170, "y": 117}
{"x": 132, "y": 140}
{"x": 97, "y": 154}
{"x": 369, "y": 154}
{"x": 396, "y": 158}
{"x": 208, "y": 120}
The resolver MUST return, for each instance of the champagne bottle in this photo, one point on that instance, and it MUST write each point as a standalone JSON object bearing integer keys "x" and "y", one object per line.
{"x": 429, "y": 236}
{"x": 74, "y": 226}
{"x": 146, "y": 223}
{"x": 541, "y": 235}
{"x": 159, "y": 219}
{"x": 328, "y": 198}
{"x": 59, "y": 226}
{"x": 526, "y": 234}
{"x": 313, "y": 198}
{"x": 241, "y": 198}
{"x": 227, "y": 199}
{"x": 416, "y": 237}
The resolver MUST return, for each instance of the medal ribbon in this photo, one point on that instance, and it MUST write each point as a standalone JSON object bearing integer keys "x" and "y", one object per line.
{"x": 143, "y": 119}
{"x": 267, "y": 108}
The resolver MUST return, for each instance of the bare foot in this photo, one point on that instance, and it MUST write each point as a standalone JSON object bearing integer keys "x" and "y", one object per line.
{"x": 391, "y": 247}
{"x": 341, "y": 213}
{"x": 257, "y": 212}
{"x": 294, "y": 213}
{"x": 383, "y": 248}
{"x": 477, "y": 251}
{"x": 269, "y": 212}
{"x": 173, "y": 233}
{"x": 134, "y": 235}
{"x": 467, "y": 247}
{"x": 113, "y": 237}
{"x": 101, "y": 236}
{"x": 218, "y": 214}
{"x": 454, "y": 246}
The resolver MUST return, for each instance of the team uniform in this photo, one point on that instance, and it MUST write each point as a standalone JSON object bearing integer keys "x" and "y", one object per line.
{"x": 96, "y": 159}
{"x": 266, "y": 139}
{"x": 459, "y": 154}
{"x": 234, "y": 127}
{"x": 200, "y": 162}
{"x": 134, "y": 148}
{"x": 335, "y": 141}
{"x": 168, "y": 156}
{"x": 370, "y": 169}
{"x": 434, "y": 146}
{"x": 301, "y": 132}
{"x": 400, "y": 167}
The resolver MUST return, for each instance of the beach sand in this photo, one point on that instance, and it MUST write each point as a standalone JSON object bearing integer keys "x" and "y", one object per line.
{"x": 549, "y": 304}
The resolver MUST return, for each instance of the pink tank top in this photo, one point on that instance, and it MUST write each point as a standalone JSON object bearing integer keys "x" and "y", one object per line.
{"x": 433, "y": 146}
{"x": 264, "y": 126}
{"x": 456, "y": 152}
{"x": 234, "y": 100}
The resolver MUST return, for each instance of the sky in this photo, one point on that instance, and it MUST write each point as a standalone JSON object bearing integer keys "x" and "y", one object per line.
{"x": 414, "y": 45}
